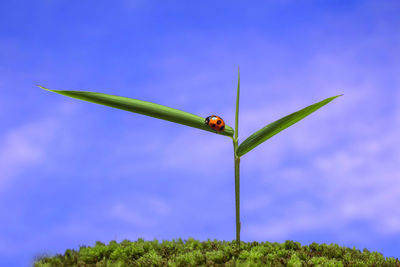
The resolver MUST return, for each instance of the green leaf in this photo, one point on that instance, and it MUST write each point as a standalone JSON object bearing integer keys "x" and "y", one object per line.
{"x": 237, "y": 107}
{"x": 273, "y": 128}
{"x": 144, "y": 108}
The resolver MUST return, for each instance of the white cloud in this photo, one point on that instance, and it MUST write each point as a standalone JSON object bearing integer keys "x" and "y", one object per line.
{"x": 364, "y": 182}
{"x": 356, "y": 182}
{"x": 27, "y": 145}
{"x": 301, "y": 216}
{"x": 158, "y": 206}
{"x": 148, "y": 214}
{"x": 127, "y": 215}
{"x": 23, "y": 147}
{"x": 255, "y": 203}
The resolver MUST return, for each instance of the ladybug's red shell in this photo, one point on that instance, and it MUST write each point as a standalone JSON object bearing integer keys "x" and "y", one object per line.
{"x": 215, "y": 123}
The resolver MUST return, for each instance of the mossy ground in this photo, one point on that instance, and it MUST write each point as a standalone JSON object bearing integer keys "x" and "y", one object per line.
{"x": 214, "y": 253}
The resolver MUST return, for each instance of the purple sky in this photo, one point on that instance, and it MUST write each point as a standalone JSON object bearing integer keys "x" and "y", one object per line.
{"x": 74, "y": 172}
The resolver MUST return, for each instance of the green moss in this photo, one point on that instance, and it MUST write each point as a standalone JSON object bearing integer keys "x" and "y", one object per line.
{"x": 193, "y": 258}
{"x": 192, "y": 252}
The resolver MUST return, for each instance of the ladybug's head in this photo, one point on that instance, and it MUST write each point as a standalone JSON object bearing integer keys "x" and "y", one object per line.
{"x": 207, "y": 120}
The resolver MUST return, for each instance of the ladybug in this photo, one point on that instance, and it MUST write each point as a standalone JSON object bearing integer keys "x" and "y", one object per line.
{"x": 215, "y": 123}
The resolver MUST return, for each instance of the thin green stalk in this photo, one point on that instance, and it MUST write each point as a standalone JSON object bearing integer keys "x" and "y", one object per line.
{"x": 237, "y": 164}
{"x": 237, "y": 196}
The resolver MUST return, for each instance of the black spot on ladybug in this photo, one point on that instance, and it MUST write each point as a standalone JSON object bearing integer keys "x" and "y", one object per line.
{"x": 219, "y": 122}
{"x": 213, "y": 125}
{"x": 222, "y": 127}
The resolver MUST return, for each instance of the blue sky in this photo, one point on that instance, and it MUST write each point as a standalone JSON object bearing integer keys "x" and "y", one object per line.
{"x": 74, "y": 172}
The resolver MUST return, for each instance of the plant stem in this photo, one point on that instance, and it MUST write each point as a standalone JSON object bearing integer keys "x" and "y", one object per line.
{"x": 237, "y": 192}
{"x": 237, "y": 163}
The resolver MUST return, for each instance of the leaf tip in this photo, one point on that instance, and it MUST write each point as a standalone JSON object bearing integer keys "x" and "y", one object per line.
{"x": 43, "y": 87}
{"x": 336, "y": 96}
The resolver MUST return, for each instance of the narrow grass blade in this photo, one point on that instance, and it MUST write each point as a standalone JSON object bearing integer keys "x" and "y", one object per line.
{"x": 277, "y": 126}
{"x": 237, "y": 107}
{"x": 144, "y": 108}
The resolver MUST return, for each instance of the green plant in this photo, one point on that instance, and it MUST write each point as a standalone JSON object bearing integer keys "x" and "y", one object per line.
{"x": 214, "y": 253}
{"x": 185, "y": 118}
